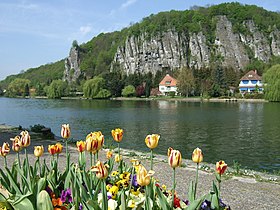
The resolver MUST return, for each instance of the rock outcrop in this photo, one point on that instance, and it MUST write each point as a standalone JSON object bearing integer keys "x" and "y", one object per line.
{"x": 72, "y": 66}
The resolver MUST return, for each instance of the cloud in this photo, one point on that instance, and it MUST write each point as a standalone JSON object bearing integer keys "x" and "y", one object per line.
{"x": 84, "y": 30}
{"x": 128, "y": 3}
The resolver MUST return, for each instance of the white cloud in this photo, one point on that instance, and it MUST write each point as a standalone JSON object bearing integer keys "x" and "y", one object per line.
{"x": 84, "y": 30}
{"x": 128, "y": 3}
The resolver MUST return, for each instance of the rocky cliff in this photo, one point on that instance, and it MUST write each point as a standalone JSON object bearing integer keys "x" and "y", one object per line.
{"x": 171, "y": 49}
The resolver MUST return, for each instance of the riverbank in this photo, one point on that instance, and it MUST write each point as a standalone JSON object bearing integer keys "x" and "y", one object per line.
{"x": 252, "y": 190}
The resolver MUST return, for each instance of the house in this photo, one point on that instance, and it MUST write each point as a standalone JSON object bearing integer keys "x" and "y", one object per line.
{"x": 168, "y": 84}
{"x": 251, "y": 82}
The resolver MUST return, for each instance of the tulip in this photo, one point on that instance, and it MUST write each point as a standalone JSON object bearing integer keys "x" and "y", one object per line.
{"x": 101, "y": 170}
{"x": 65, "y": 131}
{"x": 59, "y": 148}
{"x": 94, "y": 142}
{"x": 174, "y": 158}
{"x": 4, "y": 151}
{"x": 152, "y": 142}
{"x": 117, "y": 134}
{"x": 109, "y": 154}
{"x": 144, "y": 177}
{"x": 197, "y": 157}
{"x": 38, "y": 151}
{"x": 118, "y": 158}
{"x": 221, "y": 167}
{"x": 17, "y": 144}
{"x": 25, "y": 138}
{"x": 81, "y": 146}
{"x": 52, "y": 149}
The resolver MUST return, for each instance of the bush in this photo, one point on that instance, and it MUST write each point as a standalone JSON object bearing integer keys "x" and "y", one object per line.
{"x": 128, "y": 91}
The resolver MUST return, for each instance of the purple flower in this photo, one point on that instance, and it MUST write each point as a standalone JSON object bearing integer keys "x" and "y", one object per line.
{"x": 80, "y": 207}
{"x": 206, "y": 205}
{"x": 66, "y": 196}
{"x": 134, "y": 181}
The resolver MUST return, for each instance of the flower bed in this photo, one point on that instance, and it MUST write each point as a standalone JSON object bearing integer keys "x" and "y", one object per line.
{"x": 114, "y": 184}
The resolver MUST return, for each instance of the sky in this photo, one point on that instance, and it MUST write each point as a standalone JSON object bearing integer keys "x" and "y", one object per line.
{"x": 37, "y": 32}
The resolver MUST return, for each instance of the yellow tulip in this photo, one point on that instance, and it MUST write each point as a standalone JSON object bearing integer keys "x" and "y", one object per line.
{"x": 17, "y": 145}
{"x": 221, "y": 167}
{"x": 118, "y": 158}
{"x": 59, "y": 148}
{"x": 52, "y": 149}
{"x": 152, "y": 140}
{"x": 25, "y": 138}
{"x": 81, "y": 146}
{"x": 117, "y": 134}
{"x": 65, "y": 131}
{"x": 38, "y": 151}
{"x": 174, "y": 158}
{"x": 109, "y": 154}
{"x": 94, "y": 141}
{"x": 101, "y": 170}
{"x": 143, "y": 177}
{"x": 197, "y": 156}
{"x": 5, "y": 149}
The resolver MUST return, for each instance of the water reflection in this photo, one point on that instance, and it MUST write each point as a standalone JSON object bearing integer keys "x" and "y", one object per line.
{"x": 245, "y": 132}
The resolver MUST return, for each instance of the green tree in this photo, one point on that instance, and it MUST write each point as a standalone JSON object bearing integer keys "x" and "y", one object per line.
{"x": 57, "y": 89}
{"x": 92, "y": 87}
{"x": 186, "y": 81}
{"x": 18, "y": 87}
{"x": 272, "y": 83}
{"x": 103, "y": 93}
{"x": 128, "y": 91}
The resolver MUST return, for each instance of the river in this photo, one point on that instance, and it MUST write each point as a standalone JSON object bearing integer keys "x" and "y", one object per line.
{"x": 248, "y": 133}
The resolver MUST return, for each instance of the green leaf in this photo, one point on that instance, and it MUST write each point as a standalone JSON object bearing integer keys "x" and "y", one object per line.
{"x": 123, "y": 200}
{"x": 5, "y": 181}
{"x": 196, "y": 203}
{"x": 162, "y": 199}
{"x": 191, "y": 192}
{"x": 24, "y": 181}
{"x": 13, "y": 182}
{"x": 92, "y": 205}
{"x": 23, "y": 204}
{"x": 218, "y": 177}
{"x": 215, "y": 202}
{"x": 215, "y": 189}
{"x": 104, "y": 196}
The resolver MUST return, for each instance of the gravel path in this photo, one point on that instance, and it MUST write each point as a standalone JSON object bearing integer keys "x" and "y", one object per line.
{"x": 239, "y": 192}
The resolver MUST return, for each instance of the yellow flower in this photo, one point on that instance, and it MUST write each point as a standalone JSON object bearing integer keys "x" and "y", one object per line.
{"x": 174, "y": 157}
{"x": 5, "y": 149}
{"x": 17, "y": 145}
{"x": 221, "y": 167}
{"x": 152, "y": 140}
{"x": 65, "y": 131}
{"x": 118, "y": 158}
{"x": 114, "y": 173}
{"x": 197, "y": 156}
{"x": 135, "y": 192}
{"x": 117, "y": 134}
{"x": 59, "y": 148}
{"x": 131, "y": 204}
{"x": 125, "y": 175}
{"x": 81, "y": 146}
{"x": 101, "y": 170}
{"x": 114, "y": 191}
{"x": 94, "y": 142}
{"x": 109, "y": 154}
{"x": 38, "y": 151}
{"x": 55, "y": 148}
{"x": 25, "y": 138}
{"x": 143, "y": 177}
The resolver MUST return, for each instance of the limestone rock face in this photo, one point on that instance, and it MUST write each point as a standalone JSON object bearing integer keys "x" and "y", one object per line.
{"x": 72, "y": 66}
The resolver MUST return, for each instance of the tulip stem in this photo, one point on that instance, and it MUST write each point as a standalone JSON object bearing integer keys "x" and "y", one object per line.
{"x": 27, "y": 161}
{"x": 39, "y": 166}
{"x": 18, "y": 160}
{"x": 173, "y": 188}
{"x": 151, "y": 159}
{"x": 131, "y": 181}
{"x": 196, "y": 180}
{"x": 67, "y": 158}
{"x": 119, "y": 152}
{"x": 219, "y": 184}
{"x": 94, "y": 159}
{"x": 5, "y": 161}
{"x": 91, "y": 159}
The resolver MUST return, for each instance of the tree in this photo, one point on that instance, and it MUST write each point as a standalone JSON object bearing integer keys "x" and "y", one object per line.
{"x": 186, "y": 81}
{"x": 128, "y": 91}
{"x": 18, "y": 87}
{"x": 57, "y": 89}
{"x": 272, "y": 83}
{"x": 92, "y": 87}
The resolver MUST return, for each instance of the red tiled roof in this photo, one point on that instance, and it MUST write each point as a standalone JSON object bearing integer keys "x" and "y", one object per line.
{"x": 251, "y": 75}
{"x": 168, "y": 81}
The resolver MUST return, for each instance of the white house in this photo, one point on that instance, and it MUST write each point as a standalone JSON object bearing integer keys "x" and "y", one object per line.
{"x": 168, "y": 84}
{"x": 251, "y": 82}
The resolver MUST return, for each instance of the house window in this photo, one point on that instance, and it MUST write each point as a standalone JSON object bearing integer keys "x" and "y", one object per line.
{"x": 168, "y": 82}
{"x": 162, "y": 88}
{"x": 254, "y": 81}
{"x": 245, "y": 81}
{"x": 168, "y": 88}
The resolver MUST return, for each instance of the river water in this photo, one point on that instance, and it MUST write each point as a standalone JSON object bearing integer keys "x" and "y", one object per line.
{"x": 245, "y": 132}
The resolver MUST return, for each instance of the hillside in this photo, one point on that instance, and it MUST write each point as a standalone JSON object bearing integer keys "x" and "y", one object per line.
{"x": 219, "y": 43}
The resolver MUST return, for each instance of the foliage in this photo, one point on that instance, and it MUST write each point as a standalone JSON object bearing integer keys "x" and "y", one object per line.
{"x": 57, "y": 89}
{"x": 92, "y": 87}
{"x": 272, "y": 83}
{"x": 128, "y": 91}
{"x": 185, "y": 81}
{"x": 103, "y": 93}
{"x": 18, "y": 87}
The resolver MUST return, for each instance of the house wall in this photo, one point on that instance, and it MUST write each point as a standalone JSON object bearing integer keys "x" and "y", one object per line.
{"x": 166, "y": 89}
{"x": 250, "y": 85}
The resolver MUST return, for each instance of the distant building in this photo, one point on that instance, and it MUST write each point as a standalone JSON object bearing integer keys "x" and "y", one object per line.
{"x": 251, "y": 82}
{"x": 168, "y": 84}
